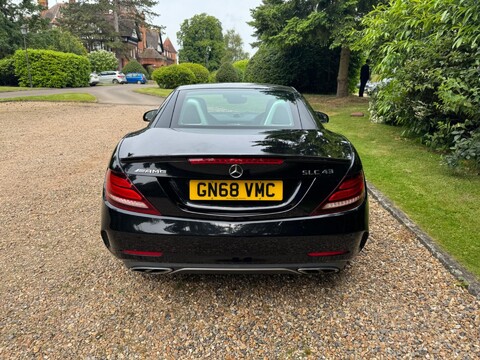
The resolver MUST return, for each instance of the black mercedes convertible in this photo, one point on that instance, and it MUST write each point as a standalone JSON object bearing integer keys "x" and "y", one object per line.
{"x": 235, "y": 178}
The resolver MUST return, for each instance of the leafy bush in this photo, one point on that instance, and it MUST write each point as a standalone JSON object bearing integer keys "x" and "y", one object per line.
{"x": 213, "y": 77}
{"x": 134, "y": 66}
{"x": 169, "y": 77}
{"x": 227, "y": 73}
{"x": 52, "y": 69}
{"x": 308, "y": 68}
{"x": 7, "y": 72}
{"x": 102, "y": 60}
{"x": 435, "y": 94}
{"x": 241, "y": 67}
{"x": 201, "y": 72}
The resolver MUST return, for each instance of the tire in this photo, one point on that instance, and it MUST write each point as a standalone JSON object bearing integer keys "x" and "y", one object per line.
{"x": 115, "y": 81}
{"x": 139, "y": 82}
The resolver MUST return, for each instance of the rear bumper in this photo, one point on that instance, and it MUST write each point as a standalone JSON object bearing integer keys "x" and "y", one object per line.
{"x": 221, "y": 246}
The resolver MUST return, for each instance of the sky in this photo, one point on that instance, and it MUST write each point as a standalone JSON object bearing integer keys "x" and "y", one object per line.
{"x": 233, "y": 14}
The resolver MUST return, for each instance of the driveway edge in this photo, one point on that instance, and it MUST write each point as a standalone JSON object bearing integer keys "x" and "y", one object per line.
{"x": 457, "y": 270}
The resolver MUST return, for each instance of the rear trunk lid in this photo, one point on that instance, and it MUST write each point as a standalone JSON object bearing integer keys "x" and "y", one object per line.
{"x": 280, "y": 173}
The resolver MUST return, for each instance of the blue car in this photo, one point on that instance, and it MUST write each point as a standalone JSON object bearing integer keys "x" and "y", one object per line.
{"x": 136, "y": 78}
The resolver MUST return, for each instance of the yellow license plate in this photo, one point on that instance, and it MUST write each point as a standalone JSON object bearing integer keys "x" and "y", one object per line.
{"x": 259, "y": 190}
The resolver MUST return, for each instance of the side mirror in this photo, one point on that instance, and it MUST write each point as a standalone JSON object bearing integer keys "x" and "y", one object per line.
{"x": 150, "y": 115}
{"x": 322, "y": 117}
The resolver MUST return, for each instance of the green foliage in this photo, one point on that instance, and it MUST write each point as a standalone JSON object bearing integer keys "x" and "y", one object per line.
{"x": 234, "y": 47}
{"x": 308, "y": 68}
{"x": 134, "y": 66}
{"x": 227, "y": 73}
{"x": 296, "y": 25}
{"x": 14, "y": 14}
{"x": 102, "y": 60}
{"x": 213, "y": 77}
{"x": 58, "y": 40}
{"x": 7, "y": 72}
{"x": 52, "y": 69}
{"x": 241, "y": 67}
{"x": 442, "y": 202}
{"x": 169, "y": 77}
{"x": 201, "y": 40}
{"x": 201, "y": 72}
{"x": 432, "y": 50}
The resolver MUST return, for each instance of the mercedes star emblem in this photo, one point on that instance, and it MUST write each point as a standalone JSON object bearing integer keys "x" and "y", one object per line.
{"x": 235, "y": 171}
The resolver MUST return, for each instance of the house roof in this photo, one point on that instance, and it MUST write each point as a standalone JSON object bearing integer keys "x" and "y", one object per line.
{"x": 150, "y": 53}
{"x": 53, "y": 13}
{"x": 168, "y": 46}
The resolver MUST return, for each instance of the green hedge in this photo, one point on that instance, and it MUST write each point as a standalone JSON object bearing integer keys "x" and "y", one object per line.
{"x": 169, "y": 77}
{"x": 134, "y": 66}
{"x": 201, "y": 72}
{"x": 7, "y": 72}
{"x": 308, "y": 67}
{"x": 52, "y": 69}
{"x": 227, "y": 73}
{"x": 241, "y": 67}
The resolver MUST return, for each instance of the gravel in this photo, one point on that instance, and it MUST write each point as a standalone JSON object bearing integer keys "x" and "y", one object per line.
{"x": 63, "y": 295}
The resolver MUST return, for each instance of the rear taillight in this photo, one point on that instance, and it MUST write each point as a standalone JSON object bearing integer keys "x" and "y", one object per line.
{"x": 120, "y": 192}
{"x": 349, "y": 194}
{"x": 245, "y": 161}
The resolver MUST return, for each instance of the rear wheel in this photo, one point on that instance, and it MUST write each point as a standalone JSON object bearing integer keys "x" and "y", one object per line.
{"x": 139, "y": 82}
{"x": 115, "y": 81}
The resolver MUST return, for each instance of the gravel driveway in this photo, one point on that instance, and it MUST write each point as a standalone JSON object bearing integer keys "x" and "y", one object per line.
{"x": 64, "y": 296}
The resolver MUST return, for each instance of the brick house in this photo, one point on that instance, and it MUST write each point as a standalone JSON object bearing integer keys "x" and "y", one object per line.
{"x": 143, "y": 44}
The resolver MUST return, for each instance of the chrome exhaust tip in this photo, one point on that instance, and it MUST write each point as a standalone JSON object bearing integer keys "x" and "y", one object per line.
{"x": 313, "y": 271}
{"x": 151, "y": 270}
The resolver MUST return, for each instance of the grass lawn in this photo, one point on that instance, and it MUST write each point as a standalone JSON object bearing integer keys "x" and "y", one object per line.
{"x": 155, "y": 91}
{"x": 443, "y": 203}
{"x": 70, "y": 97}
{"x": 15, "y": 88}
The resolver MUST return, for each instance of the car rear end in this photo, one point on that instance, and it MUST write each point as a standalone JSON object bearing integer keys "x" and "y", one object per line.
{"x": 263, "y": 207}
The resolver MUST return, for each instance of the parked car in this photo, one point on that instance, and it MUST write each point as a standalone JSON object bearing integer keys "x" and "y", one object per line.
{"x": 234, "y": 178}
{"x": 94, "y": 80}
{"x": 135, "y": 78}
{"x": 112, "y": 77}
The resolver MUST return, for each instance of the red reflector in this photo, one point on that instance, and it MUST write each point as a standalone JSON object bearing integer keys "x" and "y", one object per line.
{"x": 246, "y": 161}
{"x": 121, "y": 193}
{"x": 327, "y": 253}
{"x": 143, "y": 253}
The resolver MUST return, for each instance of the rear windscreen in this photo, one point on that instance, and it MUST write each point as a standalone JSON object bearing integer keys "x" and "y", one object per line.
{"x": 251, "y": 108}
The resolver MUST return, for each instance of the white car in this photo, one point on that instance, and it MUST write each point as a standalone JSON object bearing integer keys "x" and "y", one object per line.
{"x": 94, "y": 80}
{"x": 112, "y": 77}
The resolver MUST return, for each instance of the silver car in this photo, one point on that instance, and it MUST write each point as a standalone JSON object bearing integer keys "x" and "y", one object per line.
{"x": 112, "y": 77}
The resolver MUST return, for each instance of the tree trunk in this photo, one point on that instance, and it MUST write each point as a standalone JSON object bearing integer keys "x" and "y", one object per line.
{"x": 116, "y": 26}
{"x": 342, "y": 79}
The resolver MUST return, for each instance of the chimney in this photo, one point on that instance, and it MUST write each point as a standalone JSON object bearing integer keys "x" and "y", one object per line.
{"x": 43, "y": 3}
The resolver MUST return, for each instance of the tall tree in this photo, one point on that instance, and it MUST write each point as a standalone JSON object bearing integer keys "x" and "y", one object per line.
{"x": 89, "y": 22}
{"x": 234, "y": 46}
{"x": 285, "y": 23}
{"x": 58, "y": 40}
{"x": 201, "y": 41}
{"x": 13, "y": 15}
